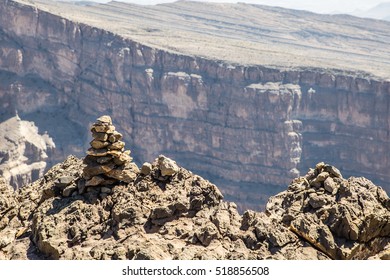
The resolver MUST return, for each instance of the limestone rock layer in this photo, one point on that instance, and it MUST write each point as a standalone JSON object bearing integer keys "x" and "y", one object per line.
{"x": 24, "y": 152}
{"x": 255, "y": 124}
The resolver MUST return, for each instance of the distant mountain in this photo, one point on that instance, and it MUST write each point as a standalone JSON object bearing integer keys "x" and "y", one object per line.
{"x": 381, "y": 11}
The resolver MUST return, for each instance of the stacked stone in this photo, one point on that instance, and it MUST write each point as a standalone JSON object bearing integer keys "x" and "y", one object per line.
{"x": 107, "y": 161}
{"x": 323, "y": 179}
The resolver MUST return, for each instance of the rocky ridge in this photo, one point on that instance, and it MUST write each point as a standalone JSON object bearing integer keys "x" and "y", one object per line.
{"x": 166, "y": 212}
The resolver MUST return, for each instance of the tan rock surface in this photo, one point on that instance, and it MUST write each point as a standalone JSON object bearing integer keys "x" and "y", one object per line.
{"x": 343, "y": 222}
{"x": 107, "y": 163}
{"x": 185, "y": 217}
{"x": 243, "y": 33}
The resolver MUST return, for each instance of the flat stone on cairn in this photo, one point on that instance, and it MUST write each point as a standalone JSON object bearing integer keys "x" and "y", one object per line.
{"x": 107, "y": 161}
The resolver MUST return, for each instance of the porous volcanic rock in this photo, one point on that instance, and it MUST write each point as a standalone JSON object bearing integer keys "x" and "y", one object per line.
{"x": 183, "y": 216}
{"x": 343, "y": 218}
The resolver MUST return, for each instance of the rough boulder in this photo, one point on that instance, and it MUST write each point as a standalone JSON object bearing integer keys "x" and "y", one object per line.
{"x": 343, "y": 218}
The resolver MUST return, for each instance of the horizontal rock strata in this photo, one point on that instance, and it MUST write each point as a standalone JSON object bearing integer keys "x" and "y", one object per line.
{"x": 256, "y": 126}
{"x": 24, "y": 152}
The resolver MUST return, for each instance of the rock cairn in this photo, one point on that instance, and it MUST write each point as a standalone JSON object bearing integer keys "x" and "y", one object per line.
{"x": 107, "y": 161}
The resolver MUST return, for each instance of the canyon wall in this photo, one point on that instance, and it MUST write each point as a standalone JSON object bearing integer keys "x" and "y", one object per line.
{"x": 24, "y": 153}
{"x": 251, "y": 129}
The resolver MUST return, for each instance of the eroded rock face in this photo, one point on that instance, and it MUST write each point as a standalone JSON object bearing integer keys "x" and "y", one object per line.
{"x": 8, "y": 212}
{"x": 256, "y": 125}
{"x": 23, "y": 151}
{"x": 340, "y": 217}
{"x": 183, "y": 216}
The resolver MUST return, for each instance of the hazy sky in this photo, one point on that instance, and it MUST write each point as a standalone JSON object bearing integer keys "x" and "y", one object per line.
{"x": 319, "y": 6}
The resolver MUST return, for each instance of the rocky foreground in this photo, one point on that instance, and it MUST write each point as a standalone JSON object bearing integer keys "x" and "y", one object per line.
{"x": 105, "y": 207}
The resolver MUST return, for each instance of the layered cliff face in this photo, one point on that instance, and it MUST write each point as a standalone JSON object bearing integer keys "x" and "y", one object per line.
{"x": 24, "y": 153}
{"x": 248, "y": 128}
